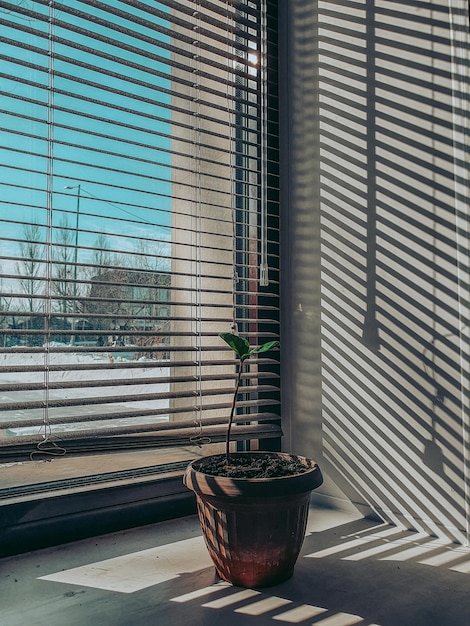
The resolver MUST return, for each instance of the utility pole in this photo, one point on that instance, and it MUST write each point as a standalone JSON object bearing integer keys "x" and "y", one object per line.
{"x": 75, "y": 260}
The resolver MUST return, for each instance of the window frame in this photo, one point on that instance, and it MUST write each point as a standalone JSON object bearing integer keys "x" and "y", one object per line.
{"x": 25, "y": 520}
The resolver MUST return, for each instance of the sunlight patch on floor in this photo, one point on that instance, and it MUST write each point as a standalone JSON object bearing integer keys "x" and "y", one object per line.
{"x": 256, "y": 603}
{"x": 132, "y": 572}
{"x": 394, "y": 543}
{"x": 263, "y": 606}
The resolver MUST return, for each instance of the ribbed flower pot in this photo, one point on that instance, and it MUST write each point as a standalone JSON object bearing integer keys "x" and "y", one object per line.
{"x": 254, "y": 528}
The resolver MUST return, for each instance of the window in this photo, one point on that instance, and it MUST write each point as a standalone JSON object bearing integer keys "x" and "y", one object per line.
{"x": 139, "y": 201}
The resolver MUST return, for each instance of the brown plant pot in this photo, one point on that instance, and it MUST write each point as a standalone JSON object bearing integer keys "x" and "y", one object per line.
{"x": 254, "y": 528}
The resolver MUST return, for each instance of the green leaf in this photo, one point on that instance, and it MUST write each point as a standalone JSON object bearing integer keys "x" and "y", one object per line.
{"x": 265, "y": 347}
{"x": 239, "y": 345}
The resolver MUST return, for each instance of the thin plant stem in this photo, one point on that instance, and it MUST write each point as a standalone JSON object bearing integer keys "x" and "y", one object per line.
{"x": 232, "y": 412}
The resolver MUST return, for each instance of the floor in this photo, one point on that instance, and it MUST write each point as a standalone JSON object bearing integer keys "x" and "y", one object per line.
{"x": 351, "y": 571}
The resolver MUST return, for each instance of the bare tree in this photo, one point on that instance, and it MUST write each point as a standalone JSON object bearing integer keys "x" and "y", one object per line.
{"x": 151, "y": 261}
{"x": 152, "y": 257}
{"x": 30, "y": 267}
{"x": 124, "y": 293}
{"x": 105, "y": 296}
{"x": 63, "y": 269}
{"x": 5, "y": 312}
{"x": 102, "y": 257}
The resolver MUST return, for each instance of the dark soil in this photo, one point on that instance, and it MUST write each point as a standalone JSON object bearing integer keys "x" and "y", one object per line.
{"x": 251, "y": 466}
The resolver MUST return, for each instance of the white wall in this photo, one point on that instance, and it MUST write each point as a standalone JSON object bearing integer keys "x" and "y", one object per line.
{"x": 375, "y": 321}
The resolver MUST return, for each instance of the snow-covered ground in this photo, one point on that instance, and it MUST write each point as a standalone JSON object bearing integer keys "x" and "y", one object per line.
{"x": 125, "y": 397}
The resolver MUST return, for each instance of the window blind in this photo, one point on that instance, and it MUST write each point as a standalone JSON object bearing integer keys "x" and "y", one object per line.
{"x": 139, "y": 177}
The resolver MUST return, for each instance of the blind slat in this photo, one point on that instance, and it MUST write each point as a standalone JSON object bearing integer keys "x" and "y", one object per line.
{"x": 127, "y": 398}
{"x": 150, "y": 425}
{"x": 28, "y": 449}
{"x": 89, "y": 384}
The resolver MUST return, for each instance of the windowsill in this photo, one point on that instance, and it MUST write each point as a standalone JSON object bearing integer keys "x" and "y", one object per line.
{"x": 45, "y": 503}
{"x": 70, "y": 472}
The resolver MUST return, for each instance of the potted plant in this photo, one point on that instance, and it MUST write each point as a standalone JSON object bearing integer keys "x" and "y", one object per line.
{"x": 252, "y": 506}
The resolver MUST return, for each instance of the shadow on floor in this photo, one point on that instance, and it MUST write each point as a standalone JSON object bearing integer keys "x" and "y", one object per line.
{"x": 355, "y": 572}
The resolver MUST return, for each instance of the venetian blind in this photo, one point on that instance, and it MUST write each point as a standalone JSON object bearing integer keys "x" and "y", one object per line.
{"x": 139, "y": 200}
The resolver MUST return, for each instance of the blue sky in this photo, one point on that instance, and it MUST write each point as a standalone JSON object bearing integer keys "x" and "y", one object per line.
{"x": 122, "y": 181}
